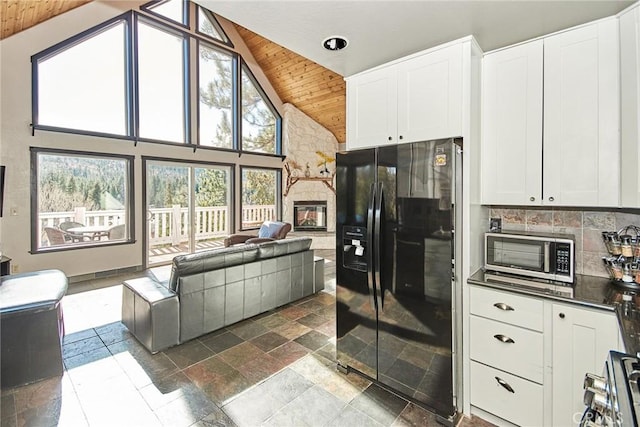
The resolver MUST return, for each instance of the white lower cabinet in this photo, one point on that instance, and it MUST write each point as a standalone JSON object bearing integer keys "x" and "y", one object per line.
{"x": 528, "y": 355}
{"x": 507, "y": 396}
{"x": 507, "y": 359}
{"x": 582, "y": 339}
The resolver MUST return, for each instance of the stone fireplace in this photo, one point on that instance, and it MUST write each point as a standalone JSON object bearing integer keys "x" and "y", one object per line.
{"x": 309, "y": 202}
{"x": 309, "y": 215}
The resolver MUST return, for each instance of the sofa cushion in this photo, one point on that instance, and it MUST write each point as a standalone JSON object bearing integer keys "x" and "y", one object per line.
{"x": 200, "y": 262}
{"x": 278, "y": 248}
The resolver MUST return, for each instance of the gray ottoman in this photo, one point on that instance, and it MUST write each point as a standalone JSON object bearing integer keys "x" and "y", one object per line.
{"x": 32, "y": 326}
{"x": 151, "y": 312}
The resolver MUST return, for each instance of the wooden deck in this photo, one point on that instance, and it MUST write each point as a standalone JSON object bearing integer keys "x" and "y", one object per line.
{"x": 164, "y": 255}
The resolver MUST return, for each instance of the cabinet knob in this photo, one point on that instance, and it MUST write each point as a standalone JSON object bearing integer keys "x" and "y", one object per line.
{"x": 400, "y": 136}
{"x": 532, "y": 199}
{"x": 561, "y": 315}
{"x": 390, "y": 138}
{"x": 551, "y": 199}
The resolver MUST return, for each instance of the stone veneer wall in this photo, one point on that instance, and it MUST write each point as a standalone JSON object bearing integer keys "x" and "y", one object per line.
{"x": 586, "y": 225}
{"x": 303, "y": 137}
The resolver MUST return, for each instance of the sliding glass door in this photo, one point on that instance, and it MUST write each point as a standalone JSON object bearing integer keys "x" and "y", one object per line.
{"x": 188, "y": 208}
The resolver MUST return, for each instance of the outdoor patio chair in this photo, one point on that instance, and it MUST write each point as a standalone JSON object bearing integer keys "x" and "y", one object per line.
{"x": 116, "y": 232}
{"x": 65, "y": 225}
{"x": 269, "y": 230}
{"x": 56, "y": 236}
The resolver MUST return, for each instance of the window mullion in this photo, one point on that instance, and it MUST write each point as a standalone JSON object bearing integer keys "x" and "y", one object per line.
{"x": 135, "y": 79}
{"x": 130, "y": 88}
{"x": 237, "y": 103}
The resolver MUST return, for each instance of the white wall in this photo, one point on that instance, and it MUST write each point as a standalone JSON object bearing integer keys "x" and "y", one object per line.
{"x": 16, "y": 138}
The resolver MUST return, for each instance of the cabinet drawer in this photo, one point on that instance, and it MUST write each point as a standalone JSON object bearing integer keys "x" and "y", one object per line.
{"x": 522, "y": 404}
{"x": 507, "y": 307}
{"x": 509, "y": 348}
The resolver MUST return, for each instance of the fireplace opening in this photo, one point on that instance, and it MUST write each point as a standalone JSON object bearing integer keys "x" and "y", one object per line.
{"x": 310, "y": 215}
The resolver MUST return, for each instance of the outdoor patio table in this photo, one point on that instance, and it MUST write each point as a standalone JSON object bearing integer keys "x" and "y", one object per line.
{"x": 96, "y": 232}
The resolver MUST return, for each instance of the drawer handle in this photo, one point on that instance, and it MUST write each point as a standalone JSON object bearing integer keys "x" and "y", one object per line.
{"x": 503, "y": 306}
{"x": 504, "y": 384}
{"x": 505, "y": 339}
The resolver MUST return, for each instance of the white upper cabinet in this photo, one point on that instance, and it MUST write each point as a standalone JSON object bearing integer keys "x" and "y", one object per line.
{"x": 581, "y": 116}
{"x": 551, "y": 132}
{"x": 416, "y": 99}
{"x": 430, "y": 96}
{"x": 512, "y": 126}
{"x": 630, "y": 106}
{"x": 371, "y": 108}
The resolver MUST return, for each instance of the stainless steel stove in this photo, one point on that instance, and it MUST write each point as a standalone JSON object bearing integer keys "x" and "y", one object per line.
{"x": 614, "y": 398}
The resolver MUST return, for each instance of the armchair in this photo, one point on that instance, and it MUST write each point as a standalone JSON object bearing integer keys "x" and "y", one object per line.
{"x": 269, "y": 230}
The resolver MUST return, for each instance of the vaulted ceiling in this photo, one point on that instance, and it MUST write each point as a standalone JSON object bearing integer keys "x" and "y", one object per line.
{"x": 313, "y": 89}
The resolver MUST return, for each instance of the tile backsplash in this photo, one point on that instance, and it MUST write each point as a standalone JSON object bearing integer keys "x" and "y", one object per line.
{"x": 586, "y": 225}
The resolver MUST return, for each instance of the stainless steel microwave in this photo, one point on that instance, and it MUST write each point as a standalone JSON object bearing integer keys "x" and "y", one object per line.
{"x": 537, "y": 255}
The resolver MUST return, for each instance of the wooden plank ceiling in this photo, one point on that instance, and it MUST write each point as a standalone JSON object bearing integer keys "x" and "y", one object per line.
{"x": 18, "y": 15}
{"x": 318, "y": 92}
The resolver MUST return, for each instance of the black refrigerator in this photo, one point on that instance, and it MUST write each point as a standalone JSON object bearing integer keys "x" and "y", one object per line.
{"x": 395, "y": 223}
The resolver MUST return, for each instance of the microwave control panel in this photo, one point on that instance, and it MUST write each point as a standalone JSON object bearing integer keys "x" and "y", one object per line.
{"x": 562, "y": 258}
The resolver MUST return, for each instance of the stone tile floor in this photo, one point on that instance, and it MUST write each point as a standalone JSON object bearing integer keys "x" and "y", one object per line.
{"x": 276, "y": 369}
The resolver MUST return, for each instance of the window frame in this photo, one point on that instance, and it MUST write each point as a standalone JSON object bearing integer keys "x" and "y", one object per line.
{"x": 186, "y": 80}
{"x": 243, "y": 66}
{"x": 35, "y": 191}
{"x": 186, "y": 16}
{"x": 278, "y": 195}
{"x": 235, "y": 58}
{"x": 64, "y": 45}
{"x": 191, "y": 38}
{"x": 214, "y": 21}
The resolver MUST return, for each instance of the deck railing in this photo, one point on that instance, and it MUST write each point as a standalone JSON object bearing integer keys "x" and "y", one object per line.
{"x": 167, "y": 225}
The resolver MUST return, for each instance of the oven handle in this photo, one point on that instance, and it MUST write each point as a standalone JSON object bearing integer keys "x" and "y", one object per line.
{"x": 546, "y": 256}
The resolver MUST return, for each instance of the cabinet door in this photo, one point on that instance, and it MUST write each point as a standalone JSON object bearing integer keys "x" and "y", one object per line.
{"x": 582, "y": 339}
{"x": 630, "y": 107}
{"x": 430, "y": 96}
{"x": 581, "y": 117}
{"x": 372, "y": 108}
{"x": 512, "y": 126}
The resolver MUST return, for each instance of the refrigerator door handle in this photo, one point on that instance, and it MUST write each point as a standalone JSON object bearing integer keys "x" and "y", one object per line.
{"x": 370, "y": 245}
{"x": 377, "y": 245}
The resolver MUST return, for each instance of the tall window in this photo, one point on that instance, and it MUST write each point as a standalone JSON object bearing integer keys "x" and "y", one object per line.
{"x": 258, "y": 118}
{"x": 175, "y": 10}
{"x": 207, "y": 24}
{"x": 82, "y": 86}
{"x": 81, "y": 199}
{"x": 161, "y": 84}
{"x": 130, "y": 78}
{"x": 260, "y": 196}
{"x": 216, "y": 97}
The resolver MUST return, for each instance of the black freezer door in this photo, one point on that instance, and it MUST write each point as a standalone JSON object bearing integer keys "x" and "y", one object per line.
{"x": 355, "y": 306}
{"x": 414, "y": 311}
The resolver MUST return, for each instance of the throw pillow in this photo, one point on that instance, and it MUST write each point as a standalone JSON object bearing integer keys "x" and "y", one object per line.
{"x": 269, "y": 229}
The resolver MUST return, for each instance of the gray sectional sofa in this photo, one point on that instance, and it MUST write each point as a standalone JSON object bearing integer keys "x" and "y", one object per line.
{"x": 212, "y": 289}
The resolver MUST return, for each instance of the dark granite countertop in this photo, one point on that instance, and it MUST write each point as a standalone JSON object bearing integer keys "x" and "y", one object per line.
{"x": 588, "y": 291}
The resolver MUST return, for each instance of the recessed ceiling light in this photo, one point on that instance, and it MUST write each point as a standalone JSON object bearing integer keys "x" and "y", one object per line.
{"x": 335, "y": 43}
